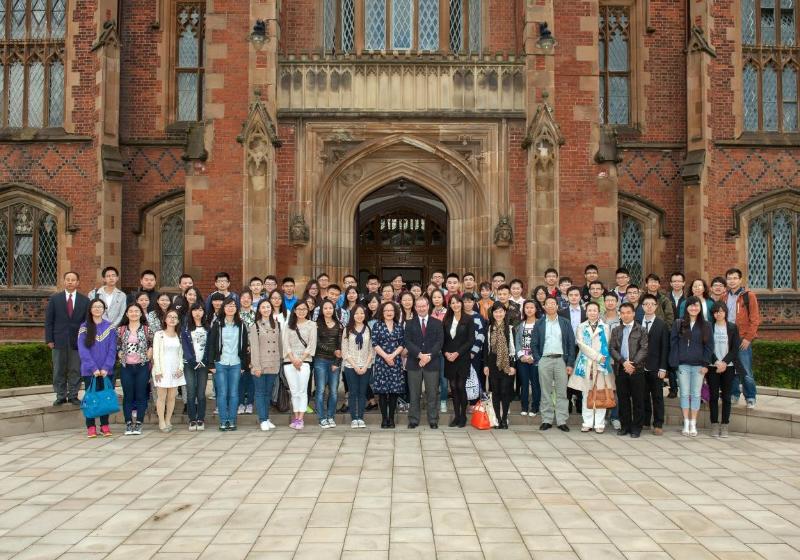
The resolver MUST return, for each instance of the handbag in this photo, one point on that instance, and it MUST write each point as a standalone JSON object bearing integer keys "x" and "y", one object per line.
{"x": 480, "y": 418}
{"x": 600, "y": 398}
{"x": 284, "y": 401}
{"x": 100, "y": 402}
{"x": 705, "y": 392}
{"x": 489, "y": 408}
{"x": 473, "y": 385}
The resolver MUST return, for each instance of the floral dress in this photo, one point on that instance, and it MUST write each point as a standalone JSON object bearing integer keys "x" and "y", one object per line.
{"x": 386, "y": 378}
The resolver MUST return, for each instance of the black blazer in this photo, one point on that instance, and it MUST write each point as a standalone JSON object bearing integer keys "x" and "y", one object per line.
{"x": 417, "y": 344}
{"x": 566, "y": 314}
{"x": 657, "y": 346}
{"x": 463, "y": 341}
{"x": 637, "y": 345}
{"x": 60, "y": 328}
{"x": 734, "y": 340}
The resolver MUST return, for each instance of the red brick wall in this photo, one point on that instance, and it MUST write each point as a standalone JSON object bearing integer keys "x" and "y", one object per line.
{"x": 505, "y": 25}
{"x": 286, "y": 255}
{"x": 518, "y": 193}
{"x": 298, "y": 26}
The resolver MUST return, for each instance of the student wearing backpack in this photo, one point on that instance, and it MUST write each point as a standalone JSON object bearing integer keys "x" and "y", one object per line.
{"x": 744, "y": 313}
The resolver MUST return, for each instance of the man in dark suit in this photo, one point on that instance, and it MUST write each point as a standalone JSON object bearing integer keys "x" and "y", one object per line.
{"x": 65, "y": 312}
{"x": 575, "y": 314}
{"x": 629, "y": 350}
{"x": 655, "y": 368}
{"x": 423, "y": 340}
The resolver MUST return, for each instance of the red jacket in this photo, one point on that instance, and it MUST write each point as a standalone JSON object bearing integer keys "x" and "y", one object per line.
{"x": 748, "y": 318}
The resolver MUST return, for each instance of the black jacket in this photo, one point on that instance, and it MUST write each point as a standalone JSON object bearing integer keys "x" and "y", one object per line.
{"x": 463, "y": 341}
{"x": 692, "y": 350}
{"x": 734, "y": 340}
{"x": 637, "y": 345}
{"x": 657, "y": 346}
{"x": 566, "y": 314}
{"x": 60, "y": 328}
{"x": 417, "y": 344}
{"x": 214, "y": 345}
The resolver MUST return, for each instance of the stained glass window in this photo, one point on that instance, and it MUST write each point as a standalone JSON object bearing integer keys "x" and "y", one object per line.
{"x": 172, "y": 248}
{"x": 770, "y": 53}
{"x": 773, "y": 251}
{"x": 631, "y": 251}
{"x": 615, "y": 74}
{"x": 31, "y": 63}
{"x": 28, "y": 247}
{"x": 190, "y": 60}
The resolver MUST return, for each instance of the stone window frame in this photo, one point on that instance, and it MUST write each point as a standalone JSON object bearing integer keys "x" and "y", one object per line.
{"x": 444, "y": 28}
{"x": 654, "y": 234}
{"x": 638, "y": 54}
{"x": 16, "y": 193}
{"x": 168, "y": 22}
{"x": 151, "y": 219}
{"x": 759, "y": 205}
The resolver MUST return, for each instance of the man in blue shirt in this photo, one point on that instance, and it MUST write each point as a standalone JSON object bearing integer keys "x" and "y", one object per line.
{"x": 289, "y": 299}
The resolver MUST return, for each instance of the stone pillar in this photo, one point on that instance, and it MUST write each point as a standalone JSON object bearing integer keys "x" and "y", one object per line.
{"x": 106, "y": 48}
{"x": 698, "y": 143}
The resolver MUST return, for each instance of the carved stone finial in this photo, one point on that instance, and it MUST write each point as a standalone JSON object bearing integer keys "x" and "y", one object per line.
{"x": 299, "y": 233}
{"x": 108, "y": 36}
{"x": 699, "y": 43}
{"x": 504, "y": 232}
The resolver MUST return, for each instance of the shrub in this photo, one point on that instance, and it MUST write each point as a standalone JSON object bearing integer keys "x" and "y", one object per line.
{"x": 777, "y": 364}
{"x": 23, "y": 365}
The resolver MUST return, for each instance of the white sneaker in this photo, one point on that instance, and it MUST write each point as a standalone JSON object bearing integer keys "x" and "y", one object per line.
{"x": 265, "y": 426}
{"x": 751, "y": 403}
{"x": 270, "y": 424}
{"x": 362, "y": 424}
{"x": 617, "y": 424}
{"x": 331, "y": 423}
{"x": 532, "y": 414}
{"x": 693, "y": 431}
{"x": 523, "y": 413}
{"x": 324, "y": 424}
{"x": 354, "y": 424}
{"x": 248, "y": 409}
{"x": 442, "y": 406}
{"x": 240, "y": 410}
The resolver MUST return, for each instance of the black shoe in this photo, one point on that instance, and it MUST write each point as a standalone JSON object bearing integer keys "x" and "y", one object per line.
{"x": 372, "y": 406}
{"x": 635, "y": 434}
{"x": 75, "y": 401}
{"x": 343, "y": 409}
{"x": 462, "y": 423}
{"x": 434, "y": 426}
{"x": 545, "y": 426}
{"x": 59, "y": 401}
{"x": 622, "y": 432}
{"x": 672, "y": 394}
{"x": 563, "y": 427}
{"x": 504, "y": 425}
{"x": 453, "y": 423}
{"x": 384, "y": 424}
{"x": 390, "y": 425}
{"x": 412, "y": 425}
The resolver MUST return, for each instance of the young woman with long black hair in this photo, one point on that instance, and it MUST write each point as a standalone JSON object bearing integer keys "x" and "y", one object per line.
{"x": 498, "y": 360}
{"x": 327, "y": 363}
{"x": 228, "y": 354}
{"x": 388, "y": 380}
{"x": 194, "y": 339}
{"x": 265, "y": 359}
{"x": 299, "y": 347}
{"x": 167, "y": 369}
{"x": 135, "y": 351}
{"x": 459, "y": 335}
{"x": 357, "y": 357}
{"x": 97, "y": 347}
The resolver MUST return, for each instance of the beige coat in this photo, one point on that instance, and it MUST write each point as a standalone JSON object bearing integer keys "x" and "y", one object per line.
{"x": 591, "y": 352}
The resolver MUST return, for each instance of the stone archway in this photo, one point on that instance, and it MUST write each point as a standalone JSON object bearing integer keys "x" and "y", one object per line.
{"x": 402, "y": 157}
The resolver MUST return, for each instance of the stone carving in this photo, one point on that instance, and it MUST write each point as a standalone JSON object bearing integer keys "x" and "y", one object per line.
{"x": 259, "y": 137}
{"x": 607, "y": 151}
{"x": 544, "y": 136}
{"x": 351, "y": 174}
{"x": 299, "y": 233}
{"x": 503, "y": 233}
{"x": 450, "y": 174}
{"x": 107, "y": 36}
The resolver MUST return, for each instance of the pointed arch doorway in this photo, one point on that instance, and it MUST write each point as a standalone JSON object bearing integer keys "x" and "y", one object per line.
{"x": 401, "y": 228}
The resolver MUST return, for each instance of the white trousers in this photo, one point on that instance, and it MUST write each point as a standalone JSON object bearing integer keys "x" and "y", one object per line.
{"x": 298, "y": 385}
{"x": 592, "y": 418}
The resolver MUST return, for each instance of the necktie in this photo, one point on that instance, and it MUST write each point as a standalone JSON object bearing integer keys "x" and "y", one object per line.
{"x": 69, "y": 305}
{"x": 647, "y": 326}
{"x": 424, "y": 326}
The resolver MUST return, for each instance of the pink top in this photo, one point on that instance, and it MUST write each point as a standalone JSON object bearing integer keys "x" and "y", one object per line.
{"x": 133, "y": 340}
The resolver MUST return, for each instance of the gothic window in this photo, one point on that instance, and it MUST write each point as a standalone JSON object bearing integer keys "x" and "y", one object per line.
{"x": 32, "y": 63}
{"x": 189, "y": 60}
{"x": 615, "y": 66}
{"x": 172, "y": 248}
{"x": 631, "y": 247}
{"x": 28, "y": 247}
{"x": 340, "y": 21}
{"x": 770, "y": 53}
{"x": 772, "y": 250}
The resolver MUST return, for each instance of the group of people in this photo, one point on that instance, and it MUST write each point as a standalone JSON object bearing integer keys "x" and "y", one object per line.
{"x": 600, "y": 351}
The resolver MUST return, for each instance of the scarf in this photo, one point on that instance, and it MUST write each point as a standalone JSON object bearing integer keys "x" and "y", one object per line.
{"x": 500, "y": 345}
{"x": 360, "y": 338}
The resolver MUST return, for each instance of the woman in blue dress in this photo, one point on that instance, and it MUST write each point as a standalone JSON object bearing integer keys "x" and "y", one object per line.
{"x": 387, "y": 380}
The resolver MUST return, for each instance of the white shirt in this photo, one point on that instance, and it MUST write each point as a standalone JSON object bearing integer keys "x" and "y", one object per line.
{"x": 423, "y": 322}
{"x": 453, "y": 328}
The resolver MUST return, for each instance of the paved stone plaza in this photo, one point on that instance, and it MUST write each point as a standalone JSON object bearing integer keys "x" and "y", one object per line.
{"x": 401, "y": 494}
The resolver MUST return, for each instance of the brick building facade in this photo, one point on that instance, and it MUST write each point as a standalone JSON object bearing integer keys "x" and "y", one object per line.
{"x": 260, "y": 136}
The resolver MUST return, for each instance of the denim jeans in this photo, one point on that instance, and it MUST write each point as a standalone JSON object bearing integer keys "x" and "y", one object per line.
{"x": 195, "y": 390}
{"x": 325, "y": 376}
{"x": 227, "y": 382}
{"x": 744, "y": 377}
{"x": 690, "y": 382}
{"x": 529, "y": 383}
{"x": 358, "y": 392}
{"x": 246, "y": 388}
{"x": 263, "y": 394}
{"x": 134, "y": 378}
{"x": 442, "y": 381}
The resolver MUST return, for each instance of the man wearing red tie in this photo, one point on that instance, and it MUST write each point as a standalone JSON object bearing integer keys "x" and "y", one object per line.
{"x": 423, "y": 340}
{"x": 65, "y": 312}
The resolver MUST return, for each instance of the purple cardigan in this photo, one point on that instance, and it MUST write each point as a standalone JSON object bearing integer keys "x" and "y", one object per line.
{"x": 102, "y": 354}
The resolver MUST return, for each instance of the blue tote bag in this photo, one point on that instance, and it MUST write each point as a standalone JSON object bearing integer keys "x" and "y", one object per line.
{"x": 100, "y": 402}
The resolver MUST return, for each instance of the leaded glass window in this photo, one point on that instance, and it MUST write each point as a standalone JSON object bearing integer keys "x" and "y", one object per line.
{"x": 32, "y": 63}
{"x": 172, "y": 248}
{"x": 189, "y": 60}
{"x": 428, "y": 25}
{"x": 340, "y": 20}
{"x": 615, "y": 73}
{"x": 402, "y": 24}
{"x": 375, "y": 36}
{"x": 456, "y": 26}
{"x": 773, "y": 254}
{"x": 28, "y": 247}
{"x": 631, "y": 247}
{"x": 770, "y": 54}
